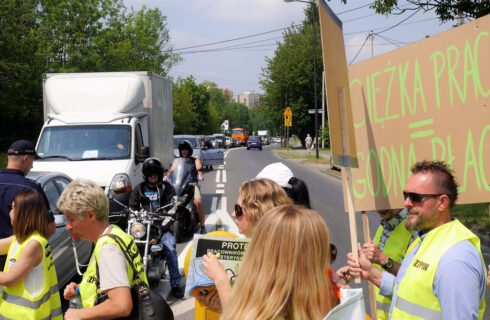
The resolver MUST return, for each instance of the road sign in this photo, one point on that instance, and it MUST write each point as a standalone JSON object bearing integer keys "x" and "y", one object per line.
{"x": 288, "y": 121}
{"x": 288, "y": 112}
{"x": 311, "y": 111}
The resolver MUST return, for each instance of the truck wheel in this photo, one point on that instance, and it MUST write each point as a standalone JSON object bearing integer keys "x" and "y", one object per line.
{"x": 179, "y": 231}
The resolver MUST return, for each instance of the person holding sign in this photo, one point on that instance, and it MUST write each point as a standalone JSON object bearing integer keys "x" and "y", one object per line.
{"x": 283, "y": 272}
{"x": 256, "y": 197}
{"x": 443, "y": 274}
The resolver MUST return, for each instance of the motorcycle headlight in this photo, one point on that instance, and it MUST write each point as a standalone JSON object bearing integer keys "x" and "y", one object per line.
{"x": 138, "y": 230}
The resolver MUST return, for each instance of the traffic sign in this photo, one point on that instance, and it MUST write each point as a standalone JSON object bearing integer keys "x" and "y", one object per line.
{"x": 288, "y": 121}
{"x": 311, "y": 111}
{"x": 288, "y": 112}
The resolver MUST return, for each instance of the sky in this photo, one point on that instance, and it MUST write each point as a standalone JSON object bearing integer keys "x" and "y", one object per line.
{"x": 260, "y": 24}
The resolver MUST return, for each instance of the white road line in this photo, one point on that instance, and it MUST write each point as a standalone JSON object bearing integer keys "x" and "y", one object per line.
{"x": 218, "y": 174}
{"x": 220, "y": 185}
{"x": 220, "y": 191}
{"x": 183, "y": 307}
{"x": 214, "y": 204}
{"x": 221, "y": 167}
{"x": 224, "y": 176}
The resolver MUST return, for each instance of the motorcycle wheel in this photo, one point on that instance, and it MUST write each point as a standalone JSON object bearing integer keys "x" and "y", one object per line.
{"x": 179, "y": 231}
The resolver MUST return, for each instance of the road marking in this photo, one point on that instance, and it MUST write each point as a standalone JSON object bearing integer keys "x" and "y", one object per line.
{"x": 218, "y": 175}
{"x": 224, "y": 176}
{"x": 220, "y": 191}
{"x": 214, "y": 203}
{"x": 183, "y": 307}
{"x": 221, "y": 167}
{"x": 220, "y": 185}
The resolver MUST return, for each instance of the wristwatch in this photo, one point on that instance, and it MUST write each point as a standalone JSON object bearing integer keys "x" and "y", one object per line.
{"x": 388, "y": 264}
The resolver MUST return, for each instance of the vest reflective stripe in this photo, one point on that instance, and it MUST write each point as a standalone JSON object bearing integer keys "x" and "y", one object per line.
{"x": 415, "y": 296}
{"x": 415, "y": 310}
{"x": 395, "y": 248}
{"x": 88, "y": 286}
{"x": 31, "y": 304}
{"x": 17, "y": 303}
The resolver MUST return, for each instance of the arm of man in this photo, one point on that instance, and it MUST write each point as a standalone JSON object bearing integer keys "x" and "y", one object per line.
{"x": 28, "y": 259}
{"x": 460, "y": 299}
{"x": 372, "y": 252}
{"x": 134, "y": 200}
{"x": 114, "y": 281}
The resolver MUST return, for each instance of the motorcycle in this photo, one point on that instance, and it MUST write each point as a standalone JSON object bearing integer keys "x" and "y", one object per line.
{"x": 185, "y": 212}
{"x": 147, "y": 227}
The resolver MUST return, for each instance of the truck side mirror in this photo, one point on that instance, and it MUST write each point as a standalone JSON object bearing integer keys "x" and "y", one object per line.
{"x": 143, "y": 154}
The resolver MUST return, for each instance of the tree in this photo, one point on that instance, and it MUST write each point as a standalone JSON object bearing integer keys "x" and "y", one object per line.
{"x": 183, "y": 110}
{"x": 287, "y": 78}
{"x": 446, "y": 10}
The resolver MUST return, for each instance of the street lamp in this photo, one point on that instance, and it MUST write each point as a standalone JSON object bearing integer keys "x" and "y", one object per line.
{"x": 313, "y": 20}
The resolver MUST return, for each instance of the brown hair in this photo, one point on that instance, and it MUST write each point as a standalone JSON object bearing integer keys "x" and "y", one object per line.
{"x": 30, "y": 215}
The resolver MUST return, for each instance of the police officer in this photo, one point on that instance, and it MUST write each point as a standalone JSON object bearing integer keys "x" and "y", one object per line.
{"x": 150, "y": 195}
{"x": 21, "y": 155}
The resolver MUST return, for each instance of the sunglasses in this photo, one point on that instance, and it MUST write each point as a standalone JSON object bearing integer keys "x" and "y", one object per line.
{"x": 419, "y": 197}
{"x": 238, "y": 210}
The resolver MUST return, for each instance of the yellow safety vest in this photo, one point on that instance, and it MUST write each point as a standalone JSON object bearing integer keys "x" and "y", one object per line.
{"x": 89, "y": 290}
{"x": 395, "y": 248}
{"x": 415, "y": 297}
{"x": 17, "y": 303}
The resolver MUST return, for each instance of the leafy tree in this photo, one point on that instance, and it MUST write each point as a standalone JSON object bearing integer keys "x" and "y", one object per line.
{"x": 446, "y": 10}
{"x": 200, "y": 104}
{"x": 183, "y": 110}
{"x": 287, "y": 78}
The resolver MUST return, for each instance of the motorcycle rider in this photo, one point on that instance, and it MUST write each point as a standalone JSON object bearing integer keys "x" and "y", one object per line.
{"x": 185, "y": 151}
{"x": 150, "y": 195}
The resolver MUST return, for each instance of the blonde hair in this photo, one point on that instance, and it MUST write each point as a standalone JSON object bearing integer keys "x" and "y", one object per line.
{"x": 284, "y": 272}
{"x": 259, "y": 196}
{"x": 82, "y": 195}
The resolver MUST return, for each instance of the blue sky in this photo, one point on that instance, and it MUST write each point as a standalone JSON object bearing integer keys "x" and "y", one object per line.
{"x": 200, "y": 22}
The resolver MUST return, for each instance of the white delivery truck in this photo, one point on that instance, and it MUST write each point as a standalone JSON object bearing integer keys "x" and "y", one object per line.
{"x": 102, "y": 126}
{"x": 264, "y": 136}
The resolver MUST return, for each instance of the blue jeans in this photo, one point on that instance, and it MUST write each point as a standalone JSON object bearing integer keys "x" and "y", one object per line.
{"x": 168, "y": 241}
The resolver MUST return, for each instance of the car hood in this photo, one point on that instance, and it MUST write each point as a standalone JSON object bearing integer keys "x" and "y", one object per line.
{"x": 99, "y": 171}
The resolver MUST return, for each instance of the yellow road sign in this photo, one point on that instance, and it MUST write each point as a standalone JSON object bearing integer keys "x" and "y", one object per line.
{"x": 288, "y": 112}
{"x": 288, "y": 121}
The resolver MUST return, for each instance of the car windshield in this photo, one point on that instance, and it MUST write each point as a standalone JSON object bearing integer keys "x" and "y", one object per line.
{"x": 254, "y": 138}
{"x": 192, "y": 140}
{"x": 94, "y": 142}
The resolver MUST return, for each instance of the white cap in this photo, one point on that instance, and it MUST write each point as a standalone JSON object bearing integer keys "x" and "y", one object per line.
{"x": 277, "y": 172}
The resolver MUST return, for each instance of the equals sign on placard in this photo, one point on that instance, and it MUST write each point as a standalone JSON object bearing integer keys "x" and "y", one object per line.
{"x": 422, "y": 131}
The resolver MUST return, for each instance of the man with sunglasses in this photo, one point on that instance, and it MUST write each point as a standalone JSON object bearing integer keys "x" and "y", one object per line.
{"x": 443, "y": 274}
{"x": 21, "y": 155}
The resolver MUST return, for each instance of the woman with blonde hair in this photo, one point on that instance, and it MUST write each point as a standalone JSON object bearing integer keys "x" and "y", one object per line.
{"x": 29, "y": 278}
{"x": 256, "y": 197}
{"x": 283, "y": 272}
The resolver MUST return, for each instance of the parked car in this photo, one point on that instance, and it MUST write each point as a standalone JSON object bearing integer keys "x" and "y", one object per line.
{"x": 53, "y": 184}
{"x": 276, "y": 139}
{"x": 254, "y": 142}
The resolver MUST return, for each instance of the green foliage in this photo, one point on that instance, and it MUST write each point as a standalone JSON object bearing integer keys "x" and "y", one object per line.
{"x": 288, "y": 77}
{"x": 474, "y": 216}
{"x": 40, "y": 36}
{"x": 446, "y": 10}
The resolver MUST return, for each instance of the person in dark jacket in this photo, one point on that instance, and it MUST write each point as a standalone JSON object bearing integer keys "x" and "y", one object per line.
{"x": 150, "y": 195}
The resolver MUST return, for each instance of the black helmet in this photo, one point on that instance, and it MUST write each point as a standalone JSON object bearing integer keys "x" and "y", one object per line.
{"x": 152, "y": 166}
{"x": 185, "y": 145}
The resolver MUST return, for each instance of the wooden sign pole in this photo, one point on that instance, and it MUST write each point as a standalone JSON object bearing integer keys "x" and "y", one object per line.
{"x": 372, "y": 292}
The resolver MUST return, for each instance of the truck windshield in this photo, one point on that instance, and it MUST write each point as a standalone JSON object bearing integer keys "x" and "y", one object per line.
{"x": 94, "y": 142}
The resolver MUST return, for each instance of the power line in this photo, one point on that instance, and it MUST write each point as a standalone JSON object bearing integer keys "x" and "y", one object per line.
{"x": 369, "y": 35}
{"x": 397, "y": 24}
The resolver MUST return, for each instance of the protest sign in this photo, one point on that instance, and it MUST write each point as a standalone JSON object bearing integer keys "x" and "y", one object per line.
{"x": 230, "y": 253}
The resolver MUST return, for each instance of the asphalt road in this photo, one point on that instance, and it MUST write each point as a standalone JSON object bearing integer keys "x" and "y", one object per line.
{"x": 220, "y": 190}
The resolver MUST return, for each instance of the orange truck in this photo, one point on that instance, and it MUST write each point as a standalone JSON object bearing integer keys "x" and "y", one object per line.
{"x": 240, "y": 134}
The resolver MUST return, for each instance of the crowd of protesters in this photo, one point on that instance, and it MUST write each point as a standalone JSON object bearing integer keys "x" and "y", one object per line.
{"x": 424, "y": 263}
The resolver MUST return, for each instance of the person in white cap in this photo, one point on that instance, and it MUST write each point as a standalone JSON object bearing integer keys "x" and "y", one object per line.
{"x": 283, "y": 176}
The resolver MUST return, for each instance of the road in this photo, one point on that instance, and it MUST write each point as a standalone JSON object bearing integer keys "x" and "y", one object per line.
{"x": 220, "y": 191}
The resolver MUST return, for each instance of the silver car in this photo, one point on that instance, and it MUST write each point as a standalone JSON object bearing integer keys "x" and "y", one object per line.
{"x": 53, "y": 184}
